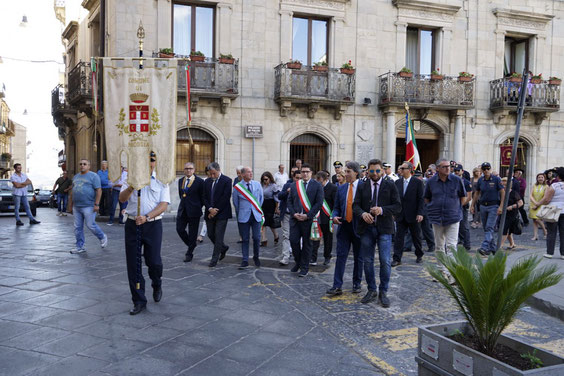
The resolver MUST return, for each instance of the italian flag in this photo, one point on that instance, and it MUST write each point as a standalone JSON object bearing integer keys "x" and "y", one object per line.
{"x": 411, "y": 152}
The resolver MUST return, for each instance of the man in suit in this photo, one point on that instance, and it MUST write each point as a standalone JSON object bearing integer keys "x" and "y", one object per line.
{"x": 338, "y": 168}
{"x": 410, "y": 191}
{"x": 217, "y": 192}
{"x": 285, "y": 215}
{"x": 191, "y": 193}
{"x": 302, "y": 217}
{"x": 248, "y": 199}
{"x": 376, "y": 202}
{"x": 346, "y": 232}
{"x": 329, "y": 192}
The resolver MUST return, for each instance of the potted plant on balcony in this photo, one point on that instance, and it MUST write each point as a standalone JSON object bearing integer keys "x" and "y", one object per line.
{"x": 197, "y": 56}
{"x": 489, "y": 297}
{"x": 6, "y": 157}
{"x": 554, "y": 80}
{"x": 166, "y": 53}
{"x": 294, "y": 64}
{"x": 536, "y": 79}
{"x": 465, "y": 77}
{"x": 515, "y": 77}
{"x": 347, "y": 68}
{"x": 321, "y": 66}
{"x": 226, "y": 59}
{"x": 405, "y": 72}
{"x": 436, "y": 75}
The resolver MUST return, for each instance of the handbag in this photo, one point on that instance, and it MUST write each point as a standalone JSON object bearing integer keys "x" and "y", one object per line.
{"x": 276, "y": 221}
{"x": 517, "y": 226}
{"x": 548, "y": 213}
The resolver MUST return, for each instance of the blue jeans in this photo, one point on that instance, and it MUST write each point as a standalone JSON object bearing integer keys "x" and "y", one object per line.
{"x": 115, "y": 200}
{"x": 488, "y": 216}
{"x": 18, "y": 200}
{"x": 345, "y": 238}
{"x": 368, "y": 241}
{"x": 244, "y": 230}
{"x": 87, "y": 215}
{"x": 62, "y": 200}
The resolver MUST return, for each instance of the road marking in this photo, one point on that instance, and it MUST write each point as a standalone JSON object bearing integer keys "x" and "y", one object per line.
{"x": 556, "y": 346}
{"x": 398, "y": 340}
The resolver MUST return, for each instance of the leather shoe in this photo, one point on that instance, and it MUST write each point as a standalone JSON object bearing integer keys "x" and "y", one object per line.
{"x": 244, "y": 265}
{"x": 419, "y": 260}
{"x": 223, "y": 253}
{"x": 395, "y": 263}
{"x": 333, "y": 291}
{"x": 327, "y": 261}
{"x": 34, "y": 222}
{"x": 483, "y": 252}
{"x": 356, "y": 289}
{"x": 302, "y": 273}
{"x": 212, "y": 264}
{"x": 369, "y": 297}
{"x": 19, "y": 223}
{"x": 295, "y": 269}
{"x": 157, "y": 294}
{"x": 383, "y": 299}
{"x": 188, "y": 257}
{"x": 257, "y": 262}
{"x": 137, "y": 308}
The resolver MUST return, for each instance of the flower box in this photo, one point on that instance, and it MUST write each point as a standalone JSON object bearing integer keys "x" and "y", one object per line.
{"x": 406, "y": 74}
{"x": 515, "y": 79}
{"x": 554, "y": 82}
{"x": 437, "y": 77}
{"x": 464, "y": 79}
{"x": 226, "y": 60}
{"x": 197, "y": 58}
{"x": 536, "y": 80}
{"x": 294, "y": 65}
{"x": 320, "y": 68}
{"x": 347, "y": 71}
{"x": 165, "y": 55}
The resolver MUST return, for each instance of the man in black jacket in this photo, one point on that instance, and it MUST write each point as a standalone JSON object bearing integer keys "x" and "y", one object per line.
{"x": 217, "y": 202}
{"x": 303, "y": 206}
{"x": 285, "y": 215}
{"x": 376, "y": 202}
{"x": 329, "y": 192}
{"x": 191, "y": 193}
{"x": 410, "y": 191}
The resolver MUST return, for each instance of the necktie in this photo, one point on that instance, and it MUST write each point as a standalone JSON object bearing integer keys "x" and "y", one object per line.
{"x": 249, "y": 186}
{"x": 185, "y": 182}
{"x": 349, "y": 214}
{"x": 405, "y": 183}
{"x": 375, "y": 195}
{"x": 212, "y": 189}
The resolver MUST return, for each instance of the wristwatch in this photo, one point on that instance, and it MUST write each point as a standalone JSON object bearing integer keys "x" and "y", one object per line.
{"x": 147, "y": 216}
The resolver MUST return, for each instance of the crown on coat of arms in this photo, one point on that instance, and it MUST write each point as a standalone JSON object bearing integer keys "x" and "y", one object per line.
{"x": 138, "y": 97}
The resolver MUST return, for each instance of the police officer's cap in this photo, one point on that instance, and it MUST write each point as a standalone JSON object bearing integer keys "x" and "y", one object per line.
{"x": 337, "y": 164}
{"x": 458, "y": 167}
{"x": 363, "y": 167}
{"x": 387, "y": 165}
{"x": 486, "y": 165}
{"x": 519, "y": 169}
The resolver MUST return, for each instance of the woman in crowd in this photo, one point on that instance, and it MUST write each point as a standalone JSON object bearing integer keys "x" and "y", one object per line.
{"x": 340, "y": 178}
{"x": 269, "y": 206}
{"x": 536, "y": 196}
{"x": 476, "y": 173}
{"x": 512, "y": 217}
{"x": 554, "y": 196}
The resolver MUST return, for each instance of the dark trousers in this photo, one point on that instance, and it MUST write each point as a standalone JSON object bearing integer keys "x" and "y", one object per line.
{"x": 189, "y": 238}
{"x": 216, "y": 233}
{"x": 105, "y": 201}
{"x": 301, "y": 230}
{"x": 415, "y": 231}
{"x": 464, "y": 229}
{"x": 428, "y": 233}
{"x": 523, "y": 213}
{"x": 327, "y": 243}
{"x": 552, "y": 228}
{"x": 115, "y": 200}
{"x": 345, "y": 238}
{"x": 244, "y": 231}
{"x": 150, "y": 236}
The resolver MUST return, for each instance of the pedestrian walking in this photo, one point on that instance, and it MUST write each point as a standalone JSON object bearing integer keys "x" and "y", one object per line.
{"x": 537, "y": 194}
{"x": 217, "y": 195}
{"x": 144, "y": 229}
{"x": 512, "y": 221}
{"x": 84, "y": 204}
{"x": 489, "y": 194}
{"x": 20, "y": 183}
{"x": 476, "y": 220}
{"x": 248, "y": 201}
{"x": 554, "y": 196}
{"x": 116, "y": 189}
{"x": 61, "y": 188}
{"x": 191, "y": 194}
{"x": 106, "y": 200}
{"x": 347, "y": 235}
{"x": 518, "y": 176}
{"x": 464, "y": 228}
{"x": 304, "y": 202}
{"x": 376, "y": 202}
{"x": 281, "y": 177}
{"x": 325, "y": 222}
{"x": 270, "y": 207}
{"x": 285, "y": 216}
{"x": 338, "y": 166}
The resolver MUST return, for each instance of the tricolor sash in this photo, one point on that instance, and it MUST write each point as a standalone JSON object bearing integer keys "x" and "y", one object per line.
{"x": 315, "y": 228}
{"x": 240, "y": 187}
{"x": 328, "y": 212}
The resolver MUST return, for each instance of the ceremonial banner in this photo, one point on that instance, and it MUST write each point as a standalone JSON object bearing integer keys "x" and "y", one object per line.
{"x": 140, "y": 117}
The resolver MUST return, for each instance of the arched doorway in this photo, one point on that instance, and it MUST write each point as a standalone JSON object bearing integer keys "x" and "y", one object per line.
{"x": 427, "y": 138}
{"x": 201, "y": 153}
{"x": 505, "y": 150}
{"x": 311, "y": 149}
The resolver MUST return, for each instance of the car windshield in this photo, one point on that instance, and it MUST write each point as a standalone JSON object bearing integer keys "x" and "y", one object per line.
{"x": 6, "y": 186}
{"x": 44, "y": 192}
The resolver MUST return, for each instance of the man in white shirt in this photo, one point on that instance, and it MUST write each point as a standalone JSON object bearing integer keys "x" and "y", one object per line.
{"x": 20, "y": 181}
{"x": 280, "y": 177}
{"x": 389, "y": 173}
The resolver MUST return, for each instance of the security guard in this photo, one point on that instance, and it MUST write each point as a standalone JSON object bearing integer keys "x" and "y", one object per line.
{"x": 144, "y": 230}
{"x": 338, "y": 168}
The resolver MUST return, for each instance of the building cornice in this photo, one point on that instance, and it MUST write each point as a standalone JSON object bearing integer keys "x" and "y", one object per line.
{"x": 89, "y": 4}
{"x": 518, "y": 18}
{"x": 450, "y": 8}
{"x": 70, "y": 30}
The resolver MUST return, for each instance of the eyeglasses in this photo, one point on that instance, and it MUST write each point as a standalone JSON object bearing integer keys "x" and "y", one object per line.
{"x": 83, "y": 164}
{"x": 447, "y": 166}
{"x": 188, "y": 168}
{"x": 306, "y": 172}
{"x": 375, "y": 171}
{"x": 403, "y": 168}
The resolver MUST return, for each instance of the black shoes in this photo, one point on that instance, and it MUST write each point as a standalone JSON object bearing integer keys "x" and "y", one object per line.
{"x": 383, "y": 299}
{"x": 356, "y": 289}
{"x": 302, "y": 273}
{"x": 419, "y": 260}
{"x": 157, "y": 294}
{"x": 223, "y": 253}
{"x": 395, "y": 263}
{"x": 256, "y": 261}
{"x": 188, "y": 257}
{"x": 333, "y": 291}
{"x": 483, "y": 252}
{"x": 327, "y": 261}
{"x": 369, "y": 297}
{"x": 137, "y": 308}
{"x": 212, "y": 264}
{"x": 19, "y": 223}
{"x": 34, "y": 222}
{"x": 295, "y": 269}
{"x": 244, "y": 265}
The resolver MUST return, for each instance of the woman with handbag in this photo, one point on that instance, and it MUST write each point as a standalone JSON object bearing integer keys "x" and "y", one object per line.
{"x": 269, "y": 207}
{"x": 553, "y": 215}
{"x": 536, "y": 196}
{"x": 512, "y": 220}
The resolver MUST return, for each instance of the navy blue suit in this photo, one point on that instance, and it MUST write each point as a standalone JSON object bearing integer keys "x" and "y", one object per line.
{"x": 301, "y": 230}
{"x": 189, "y": 211}
{"x": 220, "y": 199}
{"x": 329, "y": 192}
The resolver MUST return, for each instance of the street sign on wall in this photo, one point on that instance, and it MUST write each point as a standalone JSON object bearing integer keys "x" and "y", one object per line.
{"x": 253, "y": 131}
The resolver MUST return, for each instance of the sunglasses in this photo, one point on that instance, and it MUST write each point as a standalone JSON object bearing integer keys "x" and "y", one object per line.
{"x": 188, "y": 168}
{"x": 375, "y": 171}
{"x": 486, "y": 168}
{"x": 83, "y": 164}
{"x": 403, "y": 168}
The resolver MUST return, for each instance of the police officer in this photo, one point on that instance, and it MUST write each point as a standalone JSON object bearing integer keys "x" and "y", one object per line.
{"x": 338, "y": 168}
{"x": 144, "y": 227}
{"x": 389, "y": 174}
{"x": 464, "y": 228}
{"x": 363, "y": 175}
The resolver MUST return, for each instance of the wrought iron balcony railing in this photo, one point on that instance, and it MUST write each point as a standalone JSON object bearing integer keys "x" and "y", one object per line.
{"x": 209, "y": 78}
{"x": 420, "y": 91}
{"x": 541, "y": 97}
{"x": 57, "y": 100}
{"x": 80, "y": 85}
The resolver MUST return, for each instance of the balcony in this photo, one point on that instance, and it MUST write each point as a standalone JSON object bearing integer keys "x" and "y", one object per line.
{"x": 60, "y": 110}
{"x": 306, "y": 86}
{"x": 419, "y": 91}
{"x": 79, "y": 93}
{"x": 8, "y": 128}
{"x": 542, "y": 98}
{"x": 209, "y": 79}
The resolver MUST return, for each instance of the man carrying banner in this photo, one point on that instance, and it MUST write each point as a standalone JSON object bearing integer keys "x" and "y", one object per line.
{"x": 154, "y": 199}
{"x": 248, "y": 199}
{"x": 304, "y": 203}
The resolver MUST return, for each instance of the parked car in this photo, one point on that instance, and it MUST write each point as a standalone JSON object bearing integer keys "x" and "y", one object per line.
{"x": 43, "y": 196}
{"x": 7, "y": 200}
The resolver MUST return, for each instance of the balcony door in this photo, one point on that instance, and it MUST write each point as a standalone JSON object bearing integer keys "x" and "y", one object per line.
{"x": 201, "y": 152}
{"x": 193, "y": 29}
{"x": 311, "y": 149}
{"x": 420, "y": 50}
{"x": 309, "y": 40}
{"x": 516, "y": 57}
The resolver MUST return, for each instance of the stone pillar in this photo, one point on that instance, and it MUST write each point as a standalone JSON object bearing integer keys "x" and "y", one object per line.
{"x": 285, "y": 35}
{"x": 499, "y": 52}
{"x": 391, "y": 138}
{"x": 401, "y": 40}
{"x": 223, "y": 46}
{"x": 457, "y": 144}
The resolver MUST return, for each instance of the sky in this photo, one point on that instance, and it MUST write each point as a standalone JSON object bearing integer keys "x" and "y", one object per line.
{"x": 28, "y": 85}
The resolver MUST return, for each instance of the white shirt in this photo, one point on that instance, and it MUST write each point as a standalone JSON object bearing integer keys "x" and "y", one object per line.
{"x": 151, "y": 196}
{"x": 280, "y": 179}
{"x": 406, "y": 183}
{"x": 19, "y": 179}
{"x": 393, "y": 176}
{"x": 122, "y": 180}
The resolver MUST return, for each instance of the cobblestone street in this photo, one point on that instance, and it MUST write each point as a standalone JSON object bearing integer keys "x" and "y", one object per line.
{"x": 63, "y": 314}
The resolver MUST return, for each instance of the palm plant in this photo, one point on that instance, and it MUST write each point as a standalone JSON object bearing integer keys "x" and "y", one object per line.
{"x": 486, "y": 295}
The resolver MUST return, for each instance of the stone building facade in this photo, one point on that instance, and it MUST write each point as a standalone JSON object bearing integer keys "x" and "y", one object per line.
{"x": 323, "y": 116}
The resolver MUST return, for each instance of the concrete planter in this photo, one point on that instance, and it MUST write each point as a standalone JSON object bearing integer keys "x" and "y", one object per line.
{"x": 439, "y": 355}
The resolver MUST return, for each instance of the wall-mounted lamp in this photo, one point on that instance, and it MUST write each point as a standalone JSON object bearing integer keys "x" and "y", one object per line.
{"x": 367, "y": 101}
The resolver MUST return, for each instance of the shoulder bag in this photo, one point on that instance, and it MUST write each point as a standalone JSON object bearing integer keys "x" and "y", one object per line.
{"x": 548, "y": 213}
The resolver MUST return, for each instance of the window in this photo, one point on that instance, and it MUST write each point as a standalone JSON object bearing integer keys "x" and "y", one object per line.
{"x": 420, "y": 50}
{"x": 193, "y": 29}
{"x": 201, "y": 152}
{"x": 516, "y": 57}
{"x": 309, "y": 40}
{"x": 311, "y": 149}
